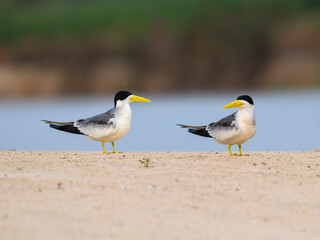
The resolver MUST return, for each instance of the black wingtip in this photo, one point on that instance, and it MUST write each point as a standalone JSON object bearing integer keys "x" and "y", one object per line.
{"x": 200, "y": 132}
{"x": 66, "y": 128}
{"x": 197, "y": 130}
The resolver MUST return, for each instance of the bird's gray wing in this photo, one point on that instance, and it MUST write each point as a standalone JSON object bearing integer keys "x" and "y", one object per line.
{"x": 225, "y": 123}
{"x": 103, "y": 119}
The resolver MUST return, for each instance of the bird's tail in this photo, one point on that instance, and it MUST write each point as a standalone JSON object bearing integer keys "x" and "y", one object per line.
{"x": 198, "y": 130}
{"x": 64, "y": 126}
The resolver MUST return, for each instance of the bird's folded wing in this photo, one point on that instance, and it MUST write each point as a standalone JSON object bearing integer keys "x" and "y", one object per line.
{"x": 225, "y": 122}
{"x": 103, "y": 119}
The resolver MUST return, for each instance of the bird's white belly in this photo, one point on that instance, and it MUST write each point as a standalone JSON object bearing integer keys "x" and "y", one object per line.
{"x": 224, "y": 136}
{"x": 119, "y": 127}
{"x": 116, "y": 133}
{"x": 234, "y": 136}
{"x": 108, "y": 134}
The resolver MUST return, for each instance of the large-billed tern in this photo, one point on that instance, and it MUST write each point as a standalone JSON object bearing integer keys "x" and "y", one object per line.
{"x": 106, "y": 127}
{"x": 236, "y": 128}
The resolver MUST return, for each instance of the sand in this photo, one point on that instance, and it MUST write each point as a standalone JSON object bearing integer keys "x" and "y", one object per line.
{"x": 207, "y": 195}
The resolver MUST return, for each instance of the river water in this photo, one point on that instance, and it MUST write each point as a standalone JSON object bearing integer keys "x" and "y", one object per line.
{"x": 286, "y": 121}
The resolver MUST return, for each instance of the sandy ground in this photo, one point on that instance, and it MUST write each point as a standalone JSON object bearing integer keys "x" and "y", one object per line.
{"x": 90, "y": 195}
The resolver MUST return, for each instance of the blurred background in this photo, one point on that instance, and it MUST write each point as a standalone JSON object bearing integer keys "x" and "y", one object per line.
{"x": 64, "y": 60}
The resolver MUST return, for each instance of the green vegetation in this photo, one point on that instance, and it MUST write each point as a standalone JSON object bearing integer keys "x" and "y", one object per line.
{"x": 57, "y": 18}
{"x": 146, "y": 163}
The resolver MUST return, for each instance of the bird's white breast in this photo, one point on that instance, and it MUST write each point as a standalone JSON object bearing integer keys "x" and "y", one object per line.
{"x": 244, "y": 128}
{"x": 245, "y": 120}
{"x": 118, "y": 127}
{"x": 121, "y": 124}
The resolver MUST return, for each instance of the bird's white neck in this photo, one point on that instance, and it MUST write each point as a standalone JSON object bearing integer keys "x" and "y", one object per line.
{"x": 246, "y": 115}
{"x": 123, "y": 110}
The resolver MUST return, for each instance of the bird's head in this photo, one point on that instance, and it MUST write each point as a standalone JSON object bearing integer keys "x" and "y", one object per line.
{"x": 242, "y": 101}
{"x": 122, "y": 97}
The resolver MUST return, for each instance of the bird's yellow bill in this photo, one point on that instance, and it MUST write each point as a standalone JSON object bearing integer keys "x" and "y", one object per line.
{"x": 234, "y": 104}
{"x": 135, "y": 98}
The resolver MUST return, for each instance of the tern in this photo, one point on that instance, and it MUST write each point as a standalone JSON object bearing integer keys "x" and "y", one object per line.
{"x": 234, "y": 129}
{"x": 106, "y": 127}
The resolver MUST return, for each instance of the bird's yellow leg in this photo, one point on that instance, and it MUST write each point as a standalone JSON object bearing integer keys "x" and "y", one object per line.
{"x": 231, "y": 154}
{"x": 114, "y": 151}
{"x": 240, "y": 152}
{"x": 104, "y": 150}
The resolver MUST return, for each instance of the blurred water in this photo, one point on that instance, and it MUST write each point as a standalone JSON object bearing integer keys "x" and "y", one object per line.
{"x": 286, "y": 121}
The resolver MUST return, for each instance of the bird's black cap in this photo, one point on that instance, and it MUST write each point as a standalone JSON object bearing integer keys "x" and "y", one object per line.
{"x": 246, "y": 98}
{"x": 121, "y": 95}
